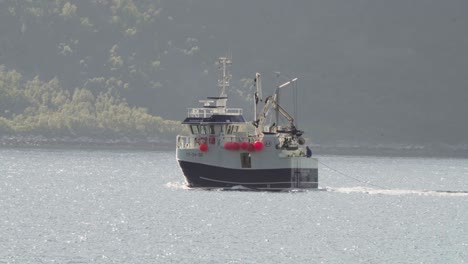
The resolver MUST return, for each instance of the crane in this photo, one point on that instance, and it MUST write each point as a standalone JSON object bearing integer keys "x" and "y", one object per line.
{"x": 270, "y": 103}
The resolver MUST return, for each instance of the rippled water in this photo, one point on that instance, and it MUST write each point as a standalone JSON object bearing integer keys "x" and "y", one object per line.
{"x": 88, "y": 206}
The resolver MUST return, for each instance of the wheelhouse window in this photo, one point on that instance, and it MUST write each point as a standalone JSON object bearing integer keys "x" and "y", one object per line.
{"x": 200, "y": 129}
{"x": 232, "y": 129}
{"x": 203, "y": 130}
{"x": 195, "y": 129}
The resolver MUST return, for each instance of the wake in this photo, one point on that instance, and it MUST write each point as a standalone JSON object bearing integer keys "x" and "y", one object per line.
{"x": 373, "y": 191}
{"x": 177, "y": 185}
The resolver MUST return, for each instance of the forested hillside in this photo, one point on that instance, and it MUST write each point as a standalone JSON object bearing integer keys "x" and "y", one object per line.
{"x": 72, "y": 68}
{"x": 369, "y": 71}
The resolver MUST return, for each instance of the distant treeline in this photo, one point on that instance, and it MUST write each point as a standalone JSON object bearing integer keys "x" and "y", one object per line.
{"x": 133, "y": 47}
{"x": 85, "y": 68}
{"x": 44, "y": 108}
{"x": 105, "y": 68}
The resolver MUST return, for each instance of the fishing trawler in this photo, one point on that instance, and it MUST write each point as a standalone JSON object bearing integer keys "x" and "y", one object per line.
{"x": 223, "y": 150}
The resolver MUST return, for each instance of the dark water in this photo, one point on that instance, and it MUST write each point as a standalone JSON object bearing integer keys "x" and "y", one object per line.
{"x": 77, "y": 206}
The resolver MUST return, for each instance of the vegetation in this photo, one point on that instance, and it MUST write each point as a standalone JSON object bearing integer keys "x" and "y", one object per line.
{"x": 82, "y": 68}
{"x": 113, "y": 68}
{"x": 44, "y": 108}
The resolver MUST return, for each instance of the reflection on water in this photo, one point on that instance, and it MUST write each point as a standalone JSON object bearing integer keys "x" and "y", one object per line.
{"x": 79, "y": 206}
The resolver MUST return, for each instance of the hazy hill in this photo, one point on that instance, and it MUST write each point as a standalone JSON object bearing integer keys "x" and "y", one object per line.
{"x": 370, "y": 71}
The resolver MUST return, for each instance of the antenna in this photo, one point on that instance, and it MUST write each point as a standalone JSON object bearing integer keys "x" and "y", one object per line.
{"x": 225, "y": 76}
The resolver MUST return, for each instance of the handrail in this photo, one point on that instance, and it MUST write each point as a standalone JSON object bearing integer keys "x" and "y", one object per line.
{"x": 207, "y": 112}
{"x": 192, "y": 141}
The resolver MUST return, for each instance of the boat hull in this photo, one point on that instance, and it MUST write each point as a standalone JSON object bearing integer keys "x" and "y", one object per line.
{"x": 199, "y": 175}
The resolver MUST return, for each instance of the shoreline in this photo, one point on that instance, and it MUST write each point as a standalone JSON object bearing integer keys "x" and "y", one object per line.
{"x": 125, "y": 143}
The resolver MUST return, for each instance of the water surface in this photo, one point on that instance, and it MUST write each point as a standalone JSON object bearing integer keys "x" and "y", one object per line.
{"x": 90, "y": 206}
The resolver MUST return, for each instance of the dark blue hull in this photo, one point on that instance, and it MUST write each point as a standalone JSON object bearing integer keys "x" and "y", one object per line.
{"x": 207, "y": 176}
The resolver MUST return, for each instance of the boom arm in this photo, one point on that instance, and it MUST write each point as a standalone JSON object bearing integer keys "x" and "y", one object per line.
{"x": 270, "y": 103}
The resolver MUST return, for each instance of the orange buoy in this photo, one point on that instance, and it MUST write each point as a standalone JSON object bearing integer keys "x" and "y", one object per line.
{"x": 228, "y": 145}
{"x": 235, "y": 146}
{"x": 244, "y": 145}
{"x": 203, "y": 147}
{"x": 258, "y": 145}
{"x": 250, "y": 148}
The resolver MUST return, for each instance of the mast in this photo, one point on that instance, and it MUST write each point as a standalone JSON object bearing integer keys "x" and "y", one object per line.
{"x": 258, "y": 94}
{"x": 225, "y": 76}
{"x": 223, "y": 80}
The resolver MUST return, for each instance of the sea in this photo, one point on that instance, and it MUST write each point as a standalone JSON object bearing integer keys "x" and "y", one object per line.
{"x": 132, "y": 206}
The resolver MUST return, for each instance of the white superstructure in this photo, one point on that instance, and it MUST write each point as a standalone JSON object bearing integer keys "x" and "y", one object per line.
{"x": 219, "y": 152}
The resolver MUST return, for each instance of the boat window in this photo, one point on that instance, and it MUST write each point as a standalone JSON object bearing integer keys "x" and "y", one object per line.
{"x": 203, "y": 130}
{"x": 191, "y": 129}
{"x": 195, "y": 129}
{"x": 212, "y": 129}
{"x": 246, "y": 161}
{"x": 232, "y": 129}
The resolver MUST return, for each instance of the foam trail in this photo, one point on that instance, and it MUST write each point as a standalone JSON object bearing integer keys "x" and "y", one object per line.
{"x": 177, "y": 185}
{"x": 367, "y": 190}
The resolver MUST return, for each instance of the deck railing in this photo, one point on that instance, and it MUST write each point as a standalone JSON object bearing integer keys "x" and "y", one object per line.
{"x": 207, "y": 112}
{"x": 193, "y": 142}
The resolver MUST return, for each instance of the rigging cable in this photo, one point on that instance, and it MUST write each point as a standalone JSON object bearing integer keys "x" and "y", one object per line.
{"x": 296, "y": 114}
{"x": 383, "y": 188}
{"x": 354, "y": 178}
